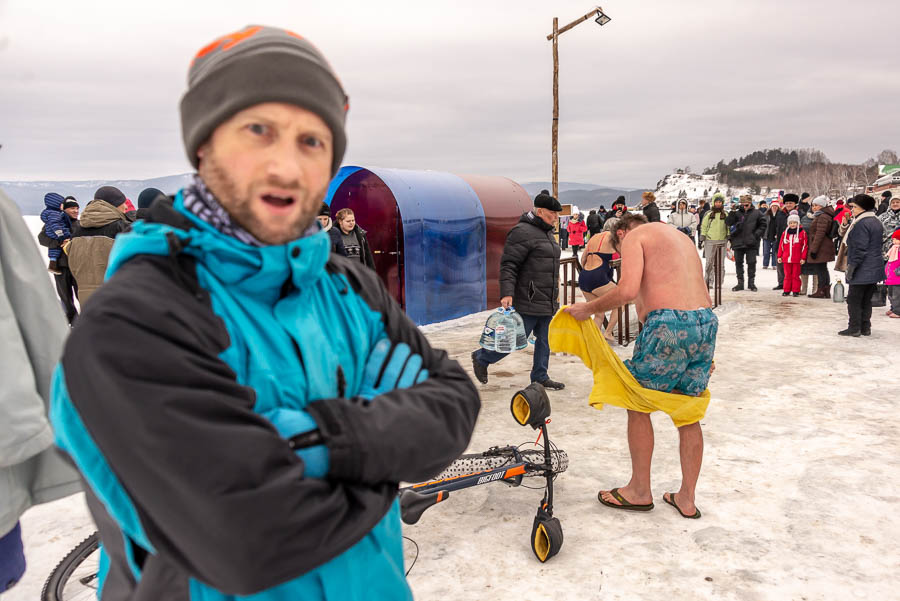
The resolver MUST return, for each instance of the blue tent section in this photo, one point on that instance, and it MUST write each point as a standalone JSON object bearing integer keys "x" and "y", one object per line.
{"x": 444, "y": 241}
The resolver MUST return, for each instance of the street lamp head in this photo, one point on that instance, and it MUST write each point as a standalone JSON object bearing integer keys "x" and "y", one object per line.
{"x": 602, "y": 17}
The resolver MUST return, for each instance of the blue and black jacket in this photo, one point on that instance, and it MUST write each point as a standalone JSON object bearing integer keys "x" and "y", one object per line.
{"x": 179, "y": 390}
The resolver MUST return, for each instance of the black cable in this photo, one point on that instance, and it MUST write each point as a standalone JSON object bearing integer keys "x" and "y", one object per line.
{"x": 416, "y": 558}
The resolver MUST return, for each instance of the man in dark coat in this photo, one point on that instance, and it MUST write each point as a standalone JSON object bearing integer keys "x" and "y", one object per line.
{"x": 529, "y": 280}
{"x": 746, "y": 226}
{"x": 701, "y": 212}
{"x": 885, "y": 202}
{"x": 651, "y": 211}
{"x": 594, "y": 223}
{"x": 803, "y": 206}
{"x": 821, "y": 248}
{"x": 145, "y": 199}
{"x": 776, "y": 228}
{"x": 865, "y": 264}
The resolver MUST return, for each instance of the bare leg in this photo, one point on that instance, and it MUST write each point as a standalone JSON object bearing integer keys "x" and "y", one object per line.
{"x": 691, "y": 448}
{"x": 640, "y": 444}
{"x": 613, "y": 315}
{"x": 598, "y": 318}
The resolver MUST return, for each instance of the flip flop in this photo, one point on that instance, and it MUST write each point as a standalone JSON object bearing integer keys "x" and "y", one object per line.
{"x": 671, "y": 501}
{"x": 624, "y": 504}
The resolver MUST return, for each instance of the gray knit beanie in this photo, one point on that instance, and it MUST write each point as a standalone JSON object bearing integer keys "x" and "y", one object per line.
{"x": 255, "y": 65}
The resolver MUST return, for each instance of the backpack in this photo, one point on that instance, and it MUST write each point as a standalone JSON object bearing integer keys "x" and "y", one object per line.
{"x": 835, "y": 229}
{"x": 46, "y": 240}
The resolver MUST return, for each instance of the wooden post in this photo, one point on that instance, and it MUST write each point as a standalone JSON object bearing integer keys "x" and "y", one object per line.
{"x": 555, "y": 136}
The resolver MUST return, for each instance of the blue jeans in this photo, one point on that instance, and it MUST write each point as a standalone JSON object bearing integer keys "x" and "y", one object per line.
{"x": 540, "y": 325}
{"x": 770, "y": 251}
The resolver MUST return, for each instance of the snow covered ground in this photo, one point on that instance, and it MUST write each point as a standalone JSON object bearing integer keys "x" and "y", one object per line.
{"x": 799, "y": 488}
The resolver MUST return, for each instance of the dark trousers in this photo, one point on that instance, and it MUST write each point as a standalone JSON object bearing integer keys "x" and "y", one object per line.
{"x": 894, "y": 298}
{"x": 540, "y": 325}
{"x": 770, "y": 253}
{"x": 748, "y": 254}
{"x": 67, "y": 289}
{"x": 820, "y": 270}
{"x": 859, "y": 307}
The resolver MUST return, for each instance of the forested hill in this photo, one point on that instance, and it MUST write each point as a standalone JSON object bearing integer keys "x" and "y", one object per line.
{"x": 798, "y": 169}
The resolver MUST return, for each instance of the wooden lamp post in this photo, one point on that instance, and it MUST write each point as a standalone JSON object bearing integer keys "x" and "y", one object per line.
{"x": 601, "y": 19}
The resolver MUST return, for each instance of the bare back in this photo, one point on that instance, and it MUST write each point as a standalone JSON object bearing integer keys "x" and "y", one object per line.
{"x": 665, "y": 263}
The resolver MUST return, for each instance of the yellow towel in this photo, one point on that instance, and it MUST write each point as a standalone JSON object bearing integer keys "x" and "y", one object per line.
{"x": 613, "y": 383}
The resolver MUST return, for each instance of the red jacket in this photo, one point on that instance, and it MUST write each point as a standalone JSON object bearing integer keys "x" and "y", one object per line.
{"x": 793, "y": 246}
{"x": 576, "y": 232}
{"x": 839, "y": 214}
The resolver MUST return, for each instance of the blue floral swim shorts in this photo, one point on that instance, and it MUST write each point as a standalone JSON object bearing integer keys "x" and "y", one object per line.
{"x": 674, "y": 351}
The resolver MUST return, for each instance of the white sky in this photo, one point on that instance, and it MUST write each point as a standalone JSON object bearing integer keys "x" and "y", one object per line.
{"x": 90, "y": 89}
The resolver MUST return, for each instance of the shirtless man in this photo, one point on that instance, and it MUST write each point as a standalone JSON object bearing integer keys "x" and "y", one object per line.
{"x": 663, "y": 277}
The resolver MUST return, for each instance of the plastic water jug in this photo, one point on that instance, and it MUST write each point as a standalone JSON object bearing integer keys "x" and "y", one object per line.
{"x": 837, "y": 293}
{"x": 501, "y": 331}
{"x": 521, "y": 339}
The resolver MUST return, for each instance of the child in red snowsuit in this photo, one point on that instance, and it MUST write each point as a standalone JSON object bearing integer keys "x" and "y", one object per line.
{"x": 792, "y": 251}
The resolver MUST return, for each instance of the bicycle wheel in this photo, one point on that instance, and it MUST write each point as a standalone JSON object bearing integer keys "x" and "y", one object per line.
{"x": 75, "y": 577}
{"x": 479, "y": 462}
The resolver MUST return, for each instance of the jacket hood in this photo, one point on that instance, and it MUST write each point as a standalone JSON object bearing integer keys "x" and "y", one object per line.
{"x": 99, "y": 213}
{"x": 53, "y": 201}
{"x": 261, "y": 271}
{"x": 534, "y": 220}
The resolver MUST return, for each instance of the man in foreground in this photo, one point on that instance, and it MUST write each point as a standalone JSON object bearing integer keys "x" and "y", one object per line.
{"x": 663, "y": 277}
{"x": 241, "y": 402}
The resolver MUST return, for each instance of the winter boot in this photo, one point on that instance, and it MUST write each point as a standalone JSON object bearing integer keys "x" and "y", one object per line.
{"x": 739, "y": 287}
{"x": 551, "y": 385}
{"x": 53, "y": 267}
{"x": 822, "y": 292}
{"x": 804, "y": 283}
{"x": 849, "y": 332}
{"x": 750, "y": 285}
{"x": 480, "y": 369}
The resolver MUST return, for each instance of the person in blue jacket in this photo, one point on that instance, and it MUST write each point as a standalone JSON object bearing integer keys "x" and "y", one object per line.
{"x": 865, "y": 264}
{"x": 241, "y": 401}
{"x": 57, "y": 227}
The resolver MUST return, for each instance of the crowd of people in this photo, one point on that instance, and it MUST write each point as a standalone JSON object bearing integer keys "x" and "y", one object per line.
{"x": 799, "y": 237}
{"x": 79, "y": 243}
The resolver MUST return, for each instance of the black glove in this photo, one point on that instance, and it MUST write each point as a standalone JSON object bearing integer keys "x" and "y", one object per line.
{"x": 813, "y": 255}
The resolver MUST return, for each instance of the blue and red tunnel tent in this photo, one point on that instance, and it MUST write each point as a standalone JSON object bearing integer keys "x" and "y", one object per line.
{"x": 436, "y": 237}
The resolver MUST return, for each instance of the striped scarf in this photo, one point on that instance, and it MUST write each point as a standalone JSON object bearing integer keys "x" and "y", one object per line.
{"x": 202, "y": 203}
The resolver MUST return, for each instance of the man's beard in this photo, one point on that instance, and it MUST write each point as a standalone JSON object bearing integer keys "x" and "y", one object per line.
{"x": 239, "y": 205}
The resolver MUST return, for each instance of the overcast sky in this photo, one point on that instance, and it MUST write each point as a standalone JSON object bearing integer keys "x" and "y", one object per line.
{"x": 90, "y": 89}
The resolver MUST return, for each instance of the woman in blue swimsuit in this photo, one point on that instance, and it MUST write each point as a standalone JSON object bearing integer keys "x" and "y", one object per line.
{"x": 595, "y": 279}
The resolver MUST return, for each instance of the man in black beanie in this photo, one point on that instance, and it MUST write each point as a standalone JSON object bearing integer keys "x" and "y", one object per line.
{"x": 529, "y": 281}
{"x": 885, "y": 202}
{"x": 803, "y": 206}
{"x": 241, "y": 401}
{"x": 92, "y": 239}
{"x": 145, "y": 199}
{"x": 865, "y": 264}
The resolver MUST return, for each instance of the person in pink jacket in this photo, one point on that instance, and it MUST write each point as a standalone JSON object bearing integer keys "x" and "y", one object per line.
{"x": 576, "y": 229}
{"x": 792, "y": 249}
{"x": 892, "y": 271}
